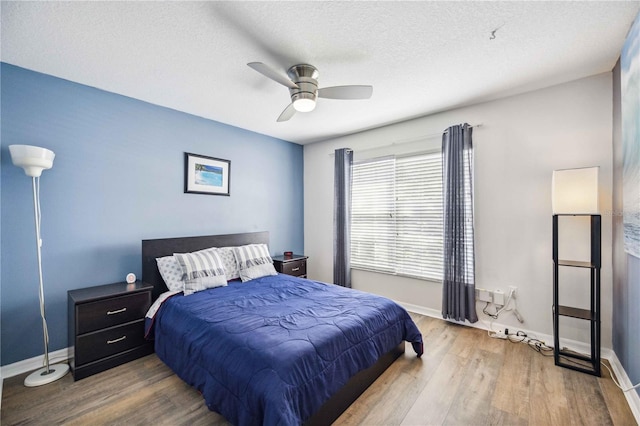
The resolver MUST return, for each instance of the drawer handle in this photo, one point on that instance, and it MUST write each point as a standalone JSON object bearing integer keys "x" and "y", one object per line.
{"x": 295, "y": 269}
{"x": 120, "y": 339}
{"x": 119, "y": 311}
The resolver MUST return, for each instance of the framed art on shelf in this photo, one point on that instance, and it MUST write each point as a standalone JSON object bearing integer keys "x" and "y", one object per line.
{"x": 206, "y": 175}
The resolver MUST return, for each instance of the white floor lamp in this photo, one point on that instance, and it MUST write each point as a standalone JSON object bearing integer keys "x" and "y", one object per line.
{"x": 34, "y": 160}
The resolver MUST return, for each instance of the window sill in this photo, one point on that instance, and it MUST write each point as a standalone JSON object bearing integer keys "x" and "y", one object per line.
{"x": 393, "y": 274}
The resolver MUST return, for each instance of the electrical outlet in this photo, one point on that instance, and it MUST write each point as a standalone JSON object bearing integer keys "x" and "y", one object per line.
{"x": 483, "y": 295}
{"x": 498, "y": 297}
{"x": 513, "y": 289}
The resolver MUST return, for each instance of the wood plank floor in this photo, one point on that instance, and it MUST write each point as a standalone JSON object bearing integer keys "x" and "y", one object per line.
{"x": 464, "y": 378}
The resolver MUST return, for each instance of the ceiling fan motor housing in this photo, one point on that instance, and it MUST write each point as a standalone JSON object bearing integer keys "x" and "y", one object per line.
{"x": 305, "y": 77}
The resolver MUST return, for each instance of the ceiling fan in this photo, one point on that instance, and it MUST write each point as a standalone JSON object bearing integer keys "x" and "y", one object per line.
{"x": 303, "y": 87}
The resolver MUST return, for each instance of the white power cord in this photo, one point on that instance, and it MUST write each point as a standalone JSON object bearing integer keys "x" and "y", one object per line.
{"x": 38, "y": 221}
{"x": 504, "y": 308}
{"x": 494, "y": 334}
{"x": 613, "y": 377}
{"x": 616, "y": 382}
{"x": 515, "y": 307}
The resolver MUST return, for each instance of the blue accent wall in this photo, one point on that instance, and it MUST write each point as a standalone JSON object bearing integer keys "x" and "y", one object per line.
{"x": 118, "y": 178}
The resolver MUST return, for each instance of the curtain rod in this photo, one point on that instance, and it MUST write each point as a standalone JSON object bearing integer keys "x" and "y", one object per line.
{"x": 409, "y": 140}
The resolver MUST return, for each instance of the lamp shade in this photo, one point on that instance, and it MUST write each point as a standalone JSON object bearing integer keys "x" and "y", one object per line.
{"x": 32, "y": 159}
{"x": 575, "y": 191}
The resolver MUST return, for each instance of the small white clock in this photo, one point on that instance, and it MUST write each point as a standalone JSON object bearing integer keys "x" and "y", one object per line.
{"x": 131, "y": 278}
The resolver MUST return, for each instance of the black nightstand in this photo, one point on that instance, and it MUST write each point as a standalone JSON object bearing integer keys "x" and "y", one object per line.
{"x": 106, "y": 326}
{"x": 295, "y": 265}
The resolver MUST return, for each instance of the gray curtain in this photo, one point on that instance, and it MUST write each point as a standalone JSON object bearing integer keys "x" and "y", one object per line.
{"x": 342, "y": 217}
{"x": 458, "y": 290}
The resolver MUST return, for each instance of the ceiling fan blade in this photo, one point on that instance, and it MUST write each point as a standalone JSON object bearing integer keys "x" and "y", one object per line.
{"x": 269, "y": 72}
{"x": 346, "y": 92}
{"x": 287, "y": 113}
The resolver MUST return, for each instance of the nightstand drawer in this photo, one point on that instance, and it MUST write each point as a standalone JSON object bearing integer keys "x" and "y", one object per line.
{"x": 100, "y": 344}
{"x": 296, "y": 268}
{"x": 295, "y": 265}
{"x": 106, "y": 326}
{"x": 109, "y": 312}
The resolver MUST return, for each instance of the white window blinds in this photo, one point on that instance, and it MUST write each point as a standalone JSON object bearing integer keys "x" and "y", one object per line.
{"x": 396, "y": 217}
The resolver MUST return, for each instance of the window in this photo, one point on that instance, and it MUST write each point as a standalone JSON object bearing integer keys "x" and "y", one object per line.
{"x": 396, "y": 216}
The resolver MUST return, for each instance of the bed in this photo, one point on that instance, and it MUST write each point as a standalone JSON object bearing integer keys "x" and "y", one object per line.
{"x": 277, "y": 349}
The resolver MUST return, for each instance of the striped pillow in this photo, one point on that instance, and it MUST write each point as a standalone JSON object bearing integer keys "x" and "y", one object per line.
{"x": 202, "y": 270}
{"x": 254, "y": 261}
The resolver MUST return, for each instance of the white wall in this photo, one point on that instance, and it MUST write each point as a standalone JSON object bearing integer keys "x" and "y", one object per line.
{"x": 521, "y": 141}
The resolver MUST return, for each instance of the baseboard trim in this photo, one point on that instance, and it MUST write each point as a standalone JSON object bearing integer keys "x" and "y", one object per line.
{"x": 546, "y": 338}
{"x": 633, "y": 399}
{"x": 31, "y": 364}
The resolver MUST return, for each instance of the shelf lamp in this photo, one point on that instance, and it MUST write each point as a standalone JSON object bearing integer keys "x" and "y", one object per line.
{"x": 34, "y": 160}
{"x": 575, "y": 191}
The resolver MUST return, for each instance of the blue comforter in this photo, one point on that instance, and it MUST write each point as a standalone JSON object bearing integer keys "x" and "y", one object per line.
{"x": 272, "y": 350}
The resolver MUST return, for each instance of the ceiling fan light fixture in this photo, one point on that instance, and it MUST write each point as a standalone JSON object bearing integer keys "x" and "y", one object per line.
{"x": 304, "y": 97}
{"x": 303, "y": 88}
{"x": 304, "y": 104}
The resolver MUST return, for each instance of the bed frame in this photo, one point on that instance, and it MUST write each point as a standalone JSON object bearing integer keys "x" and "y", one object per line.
{"x": 341, "y": 400}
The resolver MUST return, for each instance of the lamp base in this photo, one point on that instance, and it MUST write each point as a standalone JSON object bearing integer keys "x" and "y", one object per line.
{"x": 41, "y": 377}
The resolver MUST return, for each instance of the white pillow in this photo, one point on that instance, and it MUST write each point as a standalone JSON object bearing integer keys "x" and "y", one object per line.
{"x": 203, "y": 269}
{"x": 171, "y": 272}
{"x": 230, "y": 265}
{"x": 254, "y": 261}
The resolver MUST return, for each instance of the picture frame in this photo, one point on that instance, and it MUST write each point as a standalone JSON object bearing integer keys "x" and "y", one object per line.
{"x": 206, "y": 175}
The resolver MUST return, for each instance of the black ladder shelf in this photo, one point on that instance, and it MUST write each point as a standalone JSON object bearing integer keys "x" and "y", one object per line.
{"x": 568, "y": 359}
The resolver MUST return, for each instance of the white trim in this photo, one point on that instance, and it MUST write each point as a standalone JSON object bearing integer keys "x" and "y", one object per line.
{"x": 633, "y": 399}
{"x": 34, "y": 363}
{"x": 546, "y": 338}
{"x": 420, "y": 310}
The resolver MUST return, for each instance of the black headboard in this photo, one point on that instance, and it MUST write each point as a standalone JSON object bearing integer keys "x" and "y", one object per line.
{"x": 151, "y": 249}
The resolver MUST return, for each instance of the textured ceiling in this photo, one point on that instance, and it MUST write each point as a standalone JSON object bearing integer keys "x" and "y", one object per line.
{"x": 420, "y": 57}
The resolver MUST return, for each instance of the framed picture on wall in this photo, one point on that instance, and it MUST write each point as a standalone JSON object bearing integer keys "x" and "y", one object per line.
{"x": 206, "y": 175}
